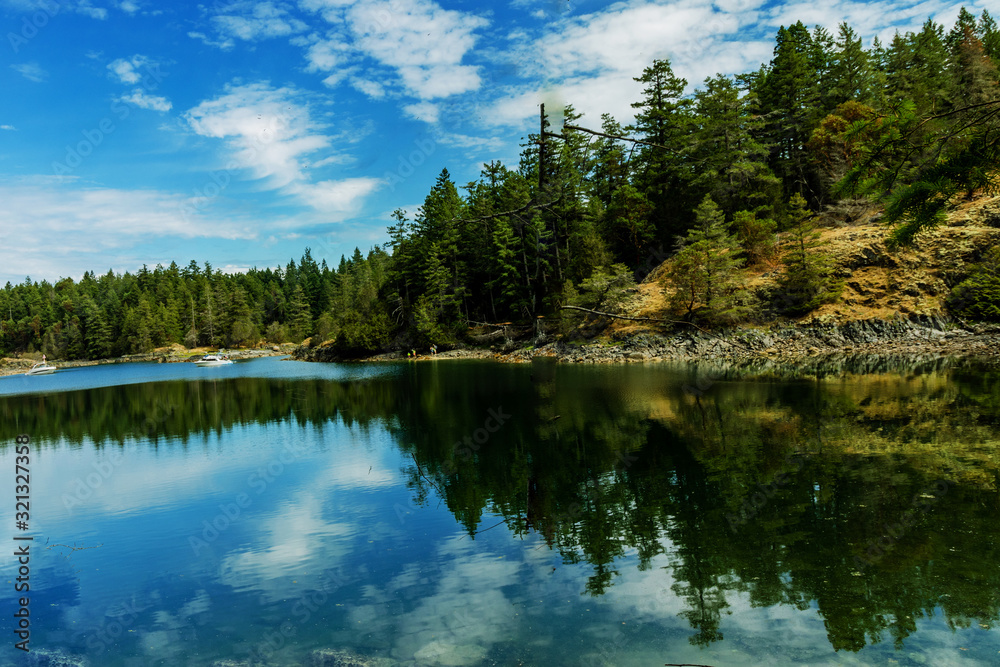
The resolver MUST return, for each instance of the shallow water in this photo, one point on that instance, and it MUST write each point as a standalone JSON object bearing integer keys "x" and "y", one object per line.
{"x": 443, "y": 513}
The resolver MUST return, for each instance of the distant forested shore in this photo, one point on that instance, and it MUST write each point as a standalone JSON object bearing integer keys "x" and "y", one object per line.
{"x": 704, "y": 190}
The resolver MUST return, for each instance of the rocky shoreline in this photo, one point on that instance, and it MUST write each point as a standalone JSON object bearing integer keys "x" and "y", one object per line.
{"x": 809, "y": 344}
{"x": 18, "y": 366}
{"x": 805, "y": 343}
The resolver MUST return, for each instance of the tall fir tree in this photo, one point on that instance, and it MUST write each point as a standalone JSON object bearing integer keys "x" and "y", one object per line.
{"x": 664, "y": 173}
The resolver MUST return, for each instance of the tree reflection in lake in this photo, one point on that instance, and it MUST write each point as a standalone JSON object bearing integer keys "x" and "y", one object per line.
{"x": 870, "y": 497}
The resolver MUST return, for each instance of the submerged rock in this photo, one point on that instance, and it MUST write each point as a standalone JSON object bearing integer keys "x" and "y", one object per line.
{"x": 443, "y": 654}
{"x": 330, "y": 657}
{"x": 46, "y": 658}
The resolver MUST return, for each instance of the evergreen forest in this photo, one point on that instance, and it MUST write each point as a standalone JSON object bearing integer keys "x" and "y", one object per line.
{"x": 718, "y": 180}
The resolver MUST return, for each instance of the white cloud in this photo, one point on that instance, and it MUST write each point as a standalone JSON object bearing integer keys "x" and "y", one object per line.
{"x": 372, "y": 89}
{"x": 326, "y": 55}
{"x": 337, "y": 77}
{"x": 125, "y": 69}
{"x": 591, "y": 61}
{"x": 31, "y": 71}
{"x": 8, "y": 127}
{"x": 867, "y": 19}
{"x": 269, "y": 130}
{"x": 128, "y": 7}
{"x": 90, "y": 220}
{"x": 424, "y": 43}
{"x": 251, "y": 21}
{"x": 345, "y": 196}
{"x": 223, "y": 44}
{"x": 425, "y": 111}
{"x": 270, "y": 133}
{"x": 84, "y": 7}
{"x": 140, "y": 99}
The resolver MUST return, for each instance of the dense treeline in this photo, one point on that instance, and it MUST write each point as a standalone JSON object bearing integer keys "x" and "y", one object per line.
{"x": 708, "y": 178}
{"x": 195, "y": 306}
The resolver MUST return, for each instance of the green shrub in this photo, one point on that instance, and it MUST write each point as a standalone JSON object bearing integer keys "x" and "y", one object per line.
{"x": 978, "y": 296}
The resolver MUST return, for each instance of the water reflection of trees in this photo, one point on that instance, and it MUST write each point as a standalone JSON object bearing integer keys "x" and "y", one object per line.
{"x": 634, "y": 459}
{"x": 787, "y": 491}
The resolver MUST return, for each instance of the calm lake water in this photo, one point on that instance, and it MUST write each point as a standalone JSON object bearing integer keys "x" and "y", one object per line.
{"x": 470, "y": 513}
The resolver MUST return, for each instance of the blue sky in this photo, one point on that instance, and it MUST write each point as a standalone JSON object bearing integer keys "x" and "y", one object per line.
{"x": 135, "y": 132}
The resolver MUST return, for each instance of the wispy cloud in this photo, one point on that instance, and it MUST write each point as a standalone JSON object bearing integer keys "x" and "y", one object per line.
{"x": 8, "y": 127}
{"x": 251, "y": 21}
{"x": 326, "y": 55}
{"x": 31, "y": 71}
{"x": 127, "y": 70}
{"x": 87, "y": 9}
{"x": 405, "y": 48}
{"x": 270, "y": 132}
{"x": 225, "y": 43}
{"x": 139, "y": 69}
{"x": 372, "y": 89}
{"x": 423, "y": 43}
{"x": 89, "y": 220}
{"x": 139, "y": 98}
{"x": 590, "y": 60}
{"x": 425, "y": 111}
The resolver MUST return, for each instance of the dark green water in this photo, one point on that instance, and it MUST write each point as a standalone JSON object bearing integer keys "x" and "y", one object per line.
{"x": 448, "y": 513}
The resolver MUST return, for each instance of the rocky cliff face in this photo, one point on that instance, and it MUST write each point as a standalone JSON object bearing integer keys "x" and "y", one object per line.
{"x": 914, "y": 335}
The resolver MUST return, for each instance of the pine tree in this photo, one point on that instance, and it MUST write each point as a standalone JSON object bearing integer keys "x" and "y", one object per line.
{"x": 989, "y": 36}
{"x": 241, "y": 329}
{"x": 821, "y": 59}
{"x": 662, "y": 118}
{"x": 610, "y": 168}
{"x": 964, "y": 26}
{"x": 438, "y": 223}
{"x": 705, "y": 272}
{"x": 730, "y": 159}
{"x": 403, "y": 270}
{"x": 509, "y": 286}
{"x": 851, "y": 72}
{"x": 932, "y": 86}
{"x": 789, "y": 95}
{"x": 975, "y": 73}
{"x": 807, "y": 281}
{"x": 756, "y": 236}
{"x": 300, "y": 315}
{"x": 627, "y": 225}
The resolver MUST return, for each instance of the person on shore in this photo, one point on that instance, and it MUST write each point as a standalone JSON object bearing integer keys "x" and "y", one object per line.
{"x": 434, "y": 349}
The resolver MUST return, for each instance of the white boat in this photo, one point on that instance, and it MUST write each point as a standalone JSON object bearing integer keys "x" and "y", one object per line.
{"x": 214, "y": 360}
{"x": 41, "y": 368}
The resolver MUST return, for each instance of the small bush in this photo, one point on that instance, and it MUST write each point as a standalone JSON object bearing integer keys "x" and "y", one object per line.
{"x": 978, "y": 296}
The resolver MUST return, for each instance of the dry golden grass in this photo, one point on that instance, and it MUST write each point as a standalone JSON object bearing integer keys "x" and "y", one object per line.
{"x": 881, "y": 284}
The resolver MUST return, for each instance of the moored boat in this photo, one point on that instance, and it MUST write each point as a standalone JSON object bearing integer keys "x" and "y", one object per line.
{"x": 214, "y": 360}
{"x": 41, "y": 368}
